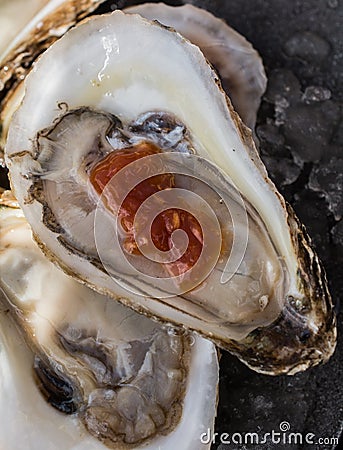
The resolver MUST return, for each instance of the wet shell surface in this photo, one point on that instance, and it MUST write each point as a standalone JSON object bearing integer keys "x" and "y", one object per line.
{"x": 18, "y": 55}
{"x": 239, "y": 65}
{"x": 11, "y": 28}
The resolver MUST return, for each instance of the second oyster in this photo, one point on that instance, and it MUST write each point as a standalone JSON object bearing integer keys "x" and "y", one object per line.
{"x": 112, "y": 376}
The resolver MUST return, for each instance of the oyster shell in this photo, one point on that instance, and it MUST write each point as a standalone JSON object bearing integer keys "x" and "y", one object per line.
{"x": 50, "y": 23}
{"x": 237, "y": 62}
{"x": 224, "y": 48}
{"x": 275, "y": 311}
{"x": 8, "y": 11}
{"x": 116, "y": 375}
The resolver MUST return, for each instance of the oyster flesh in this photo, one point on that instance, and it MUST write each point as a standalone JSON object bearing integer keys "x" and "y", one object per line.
{"x": 116, "y": 379}
{"x": 132, "y": 110}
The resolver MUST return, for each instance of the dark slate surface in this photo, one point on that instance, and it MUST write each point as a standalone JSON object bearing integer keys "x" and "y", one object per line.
{"x": 301, "y": 134}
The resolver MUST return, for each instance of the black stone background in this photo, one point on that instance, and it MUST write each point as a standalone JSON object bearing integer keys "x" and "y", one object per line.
{"x": 301, "y": 142}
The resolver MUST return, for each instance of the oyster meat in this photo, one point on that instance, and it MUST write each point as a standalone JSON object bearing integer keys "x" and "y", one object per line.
{"x": 132, "y": 110}
{"x": 116, "y": 379}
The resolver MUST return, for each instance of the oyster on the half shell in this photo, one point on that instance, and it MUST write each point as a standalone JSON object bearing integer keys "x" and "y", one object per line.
{"x": 118, "y": 88}
{"x": 120, "y": 380}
